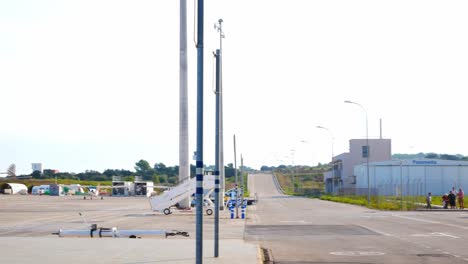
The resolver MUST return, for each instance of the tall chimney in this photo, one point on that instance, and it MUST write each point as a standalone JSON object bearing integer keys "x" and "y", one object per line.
{"x": 380, "y": 128}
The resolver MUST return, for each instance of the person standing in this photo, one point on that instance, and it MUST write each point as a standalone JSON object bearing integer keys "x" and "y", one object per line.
{"x": 461, "y": 196}
{"x": 429, "y": 200}
{"x": 452, "y": 198}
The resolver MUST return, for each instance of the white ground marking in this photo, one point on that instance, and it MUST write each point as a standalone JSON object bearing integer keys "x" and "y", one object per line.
{"x": 376, "y": 231}
{"x": 429, "y": 221}
{"x": 357, "y": 253}
{"x": 374, "y": 216}
{"x": 295, "y": 222}
{"x": 416, "y": 219}
{"x": 435, "y": 234}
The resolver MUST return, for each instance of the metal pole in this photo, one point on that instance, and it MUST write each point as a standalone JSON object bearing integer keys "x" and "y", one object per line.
{"x": 199, "y": 163}
{"x": 242, "y": 180}
{"x": 221, "y": 132}
{"x": 425, "y": 181}
{"x": 184, "y": 164}
{"x": 216, "y": 172}
{"x": 237, "y": 180}
{"x": 368, "y": 154}
{"x": 401, "y": 185}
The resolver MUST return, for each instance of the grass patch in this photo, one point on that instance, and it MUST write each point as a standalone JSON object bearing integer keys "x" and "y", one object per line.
{"x": 301, "y": 184}
{"x": 377, "y": 202}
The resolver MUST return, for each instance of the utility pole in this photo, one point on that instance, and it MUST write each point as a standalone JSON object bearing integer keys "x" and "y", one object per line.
{"x": 199, "y": 163}
{"x": 222, "y": 182}
{"x": 184, "y": 164}
{"x": 242, "y": 180}
{"x": 236, "y": 177}
{"x": 216, "y": 170}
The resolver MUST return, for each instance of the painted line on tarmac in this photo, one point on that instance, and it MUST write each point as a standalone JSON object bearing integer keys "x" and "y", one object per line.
{"x": 357, "y": 253}
{"x": 431, "y": 222}
{"x": 435, "y": 234}
{"x": 376, "y": 231}
{"x": 447, "y": 235}
{"x": 295, "y": 222}
{"x": 456, "y": 226}
{"x": 416, "y": 219}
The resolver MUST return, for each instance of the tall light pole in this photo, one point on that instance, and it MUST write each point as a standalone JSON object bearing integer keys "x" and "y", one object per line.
{"x": 292, "y": 159}
{"x": 306, "y": 142}
{"x": 367, "y": 148}
{"x": 216, "y": 171}
{"x": 332, "y": 152}
{"x": 222, "y": 177}
{"x": 236, "y": 177}
{"x": 199, "y": 162}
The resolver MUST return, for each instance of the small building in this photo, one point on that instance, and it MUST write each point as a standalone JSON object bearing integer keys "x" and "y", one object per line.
{"x": 341, "y": 177}
{"x": 121, "y": 188}
{"x": 411, "y": 177}
{"x": 13, "y": 188}
{"x": 143, "y": 188}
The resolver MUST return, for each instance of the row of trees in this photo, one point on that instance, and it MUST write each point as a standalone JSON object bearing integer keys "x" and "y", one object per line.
{"x": 295, "y": 167}
{"x": 431, "y": 155}
{"x": 159, "y": 173}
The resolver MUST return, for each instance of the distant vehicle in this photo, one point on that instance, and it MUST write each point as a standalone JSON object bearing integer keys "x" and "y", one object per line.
{"x": 193, "y": 203}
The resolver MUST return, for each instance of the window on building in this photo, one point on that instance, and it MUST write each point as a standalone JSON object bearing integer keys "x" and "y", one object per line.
{"x": 365, "y": 151}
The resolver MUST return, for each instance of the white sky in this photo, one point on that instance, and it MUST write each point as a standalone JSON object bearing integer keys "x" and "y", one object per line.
{"x": 94, "y": 84}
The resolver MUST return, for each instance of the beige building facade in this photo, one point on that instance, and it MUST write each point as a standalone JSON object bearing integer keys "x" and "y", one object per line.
{"x": 341, "y": 177}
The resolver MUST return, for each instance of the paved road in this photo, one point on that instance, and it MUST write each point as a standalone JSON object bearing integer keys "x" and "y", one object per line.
{"x": 300, "y": 230}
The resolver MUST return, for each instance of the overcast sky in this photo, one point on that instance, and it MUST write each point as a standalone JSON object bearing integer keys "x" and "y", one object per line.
{"x": 91, "y": 85}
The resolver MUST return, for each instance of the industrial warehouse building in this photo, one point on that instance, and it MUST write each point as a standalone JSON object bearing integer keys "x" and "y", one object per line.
{"x": 411, "y": 177}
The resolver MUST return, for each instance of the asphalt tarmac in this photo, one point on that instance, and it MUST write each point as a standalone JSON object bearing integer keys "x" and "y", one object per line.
{"x": 301, "y": 230}
{"x": 27, "y": 223}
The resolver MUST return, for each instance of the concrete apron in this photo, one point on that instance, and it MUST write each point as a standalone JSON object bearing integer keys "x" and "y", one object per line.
{"x": 53, "y": 250}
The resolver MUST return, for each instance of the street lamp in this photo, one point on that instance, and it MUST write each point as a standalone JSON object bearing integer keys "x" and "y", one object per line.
{"x": 306, "y": 142}
{"x": 332, "y": 154}
{"x": 292, "y": 159}
{"x": 367, "y": 148}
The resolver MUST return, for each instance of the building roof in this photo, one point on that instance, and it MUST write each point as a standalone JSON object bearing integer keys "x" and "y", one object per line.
{"x": 15, "y": 187}
{"x": 418, "y": 162}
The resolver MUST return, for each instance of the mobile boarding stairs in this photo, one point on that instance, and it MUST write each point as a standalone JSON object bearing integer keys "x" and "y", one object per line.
{"x": 170, "y": 198}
